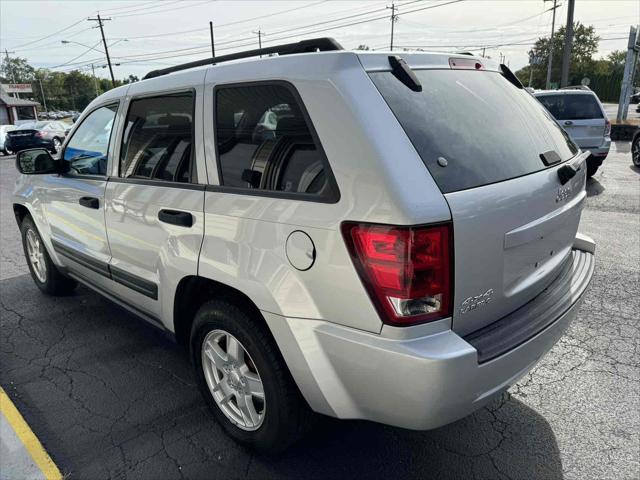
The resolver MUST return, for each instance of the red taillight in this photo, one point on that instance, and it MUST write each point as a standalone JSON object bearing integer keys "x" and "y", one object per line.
{"x": 40, "y": 134}
{"x": 607, "y": 127}
{"x": 406, "y": 270}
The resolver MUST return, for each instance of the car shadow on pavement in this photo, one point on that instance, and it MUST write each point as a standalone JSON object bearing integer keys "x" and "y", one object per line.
{"x": 111, "y": 397}
{"x": 594, "y": 187}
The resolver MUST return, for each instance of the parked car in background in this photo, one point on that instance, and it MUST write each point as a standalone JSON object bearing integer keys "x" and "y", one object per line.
{"x": 3, "y": 135}
{"x": 580, "y": 113}
{"x": 46, "y": 134}
{"x": 349, "y": 233}
{"x": 635, "y": 148}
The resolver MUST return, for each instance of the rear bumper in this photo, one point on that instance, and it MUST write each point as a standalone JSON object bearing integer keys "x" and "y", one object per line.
{"x": 18, "y": 146}
{"x": 423, "y": 383}
{"x": 602, "y": 151}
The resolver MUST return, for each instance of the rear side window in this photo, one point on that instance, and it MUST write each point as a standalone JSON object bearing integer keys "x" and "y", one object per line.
{"x": 482, "y": 127}
{"x": 265, "y": 143}
{"x": 572, "y": 106}
{"x": 158, "y": 138}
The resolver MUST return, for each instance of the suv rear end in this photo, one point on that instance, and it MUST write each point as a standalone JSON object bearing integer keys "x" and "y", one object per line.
{"x": 469, "y": 299}
{"x": 583, "y": 117}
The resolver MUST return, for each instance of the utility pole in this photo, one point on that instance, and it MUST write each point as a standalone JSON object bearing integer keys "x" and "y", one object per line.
{"x": 44, "y": 100}
{"x": 259, "y": 33}
{"x": 568, "y": 42}
{"x": 626, "y": 88}
{"x": 106, "y": 49}
{"x": 213, "y": 47}
{"x": 95, "y": 80}
{"x": 13, "y": 75}
{"x": 553, "y": 29}
{"x": 394, "y": 19}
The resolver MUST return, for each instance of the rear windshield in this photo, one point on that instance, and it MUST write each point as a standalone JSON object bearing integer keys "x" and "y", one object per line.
{"x": 572, "y": 107}
{"x": 482, "y": 127}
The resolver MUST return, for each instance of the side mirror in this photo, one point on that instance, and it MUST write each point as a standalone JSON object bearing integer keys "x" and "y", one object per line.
{"x": 36, "y": 161}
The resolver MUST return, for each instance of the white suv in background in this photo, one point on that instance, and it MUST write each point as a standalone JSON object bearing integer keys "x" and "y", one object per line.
{"x": 580, "y": 113}
{"x": 362, "y": 235}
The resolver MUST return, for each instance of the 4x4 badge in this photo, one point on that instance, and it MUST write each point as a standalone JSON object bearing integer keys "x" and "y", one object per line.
{"x": 476, "y": 301}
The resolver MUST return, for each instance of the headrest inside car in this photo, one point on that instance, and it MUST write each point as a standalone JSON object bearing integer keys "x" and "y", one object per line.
{"x": 291, "y": 127}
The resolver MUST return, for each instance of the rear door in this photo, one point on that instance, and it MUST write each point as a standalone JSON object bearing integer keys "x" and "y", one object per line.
{"x": 155, "y": 205}
{"x": 580, "y": 114}
{"x": 485, "y": 143}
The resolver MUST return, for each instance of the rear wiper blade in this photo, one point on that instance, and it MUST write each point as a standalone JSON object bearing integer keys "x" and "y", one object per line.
{"x": 403, "y": 72}
{"x": 509, "y": 75}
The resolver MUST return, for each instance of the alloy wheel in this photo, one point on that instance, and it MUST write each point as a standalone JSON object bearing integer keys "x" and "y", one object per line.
{"x": 233, "y": 380}
{"x": 56, "y": 145}
{"x": 35, "y": 251}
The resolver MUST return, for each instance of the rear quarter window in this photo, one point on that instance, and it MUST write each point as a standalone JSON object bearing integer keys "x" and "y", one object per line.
{"x": 265, "y": 143}
{"x": 481, "y": 126}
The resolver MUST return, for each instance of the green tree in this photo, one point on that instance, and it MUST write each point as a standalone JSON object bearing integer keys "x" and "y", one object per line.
{"x": 16, "y": 69}
{"x": 585, "y": 45}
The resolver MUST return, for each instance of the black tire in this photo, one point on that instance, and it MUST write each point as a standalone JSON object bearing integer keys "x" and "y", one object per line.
{"x": 286, "y": 414}
{"x": 635, "y": 151}
{"x": 55, "y": 283}
{"x": 591, "y": 169}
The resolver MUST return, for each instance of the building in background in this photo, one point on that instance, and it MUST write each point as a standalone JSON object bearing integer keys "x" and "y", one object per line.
{"x": 14, "y": 111}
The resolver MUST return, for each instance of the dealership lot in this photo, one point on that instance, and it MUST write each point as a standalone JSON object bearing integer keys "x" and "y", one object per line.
{"x": 109, "y": 397}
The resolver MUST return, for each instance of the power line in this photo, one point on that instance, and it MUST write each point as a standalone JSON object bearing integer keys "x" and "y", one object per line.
{"x": 362, "y": 21}
{"x": 127, "y": 7}
{"x": 161, "y": 11}
{"x": 270, "y": 14}
{"x": 75, "y": 58}
{"x": 134, "y": 8}
{"x": 295, "y": 29}
{"x": 50, "y": 35}
{"x": 267, "y": 16}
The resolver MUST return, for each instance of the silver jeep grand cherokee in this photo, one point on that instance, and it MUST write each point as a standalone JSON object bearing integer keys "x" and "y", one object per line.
{"x": 363, "y": 235}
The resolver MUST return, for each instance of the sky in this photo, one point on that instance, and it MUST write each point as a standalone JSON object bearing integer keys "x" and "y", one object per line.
{"x": 143, "y": 35}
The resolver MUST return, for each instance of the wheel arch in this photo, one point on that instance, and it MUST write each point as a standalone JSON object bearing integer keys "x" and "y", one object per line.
{"x": 20, "y": 211}
{"x": 192, "y": 291}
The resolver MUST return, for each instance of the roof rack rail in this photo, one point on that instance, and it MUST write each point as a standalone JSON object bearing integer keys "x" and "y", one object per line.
{"x": 324, "y": 44}
{"x": 576, "y": 87}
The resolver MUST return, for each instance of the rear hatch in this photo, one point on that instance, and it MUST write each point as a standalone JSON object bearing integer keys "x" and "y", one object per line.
{"x": 488, "y": 145}
{"x": 580, "y": 114}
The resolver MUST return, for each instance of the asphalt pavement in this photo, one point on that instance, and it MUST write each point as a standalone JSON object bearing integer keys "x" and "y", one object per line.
{"x": 109, "y": 397}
